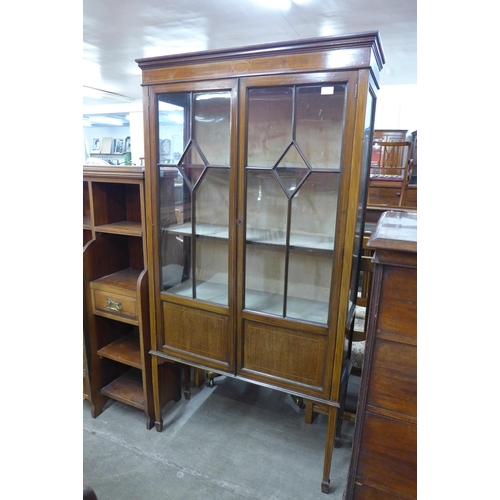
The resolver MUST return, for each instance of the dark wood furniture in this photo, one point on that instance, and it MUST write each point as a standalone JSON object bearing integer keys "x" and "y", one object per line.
{"x": 391, "y": 170}
{"x": 117, "y": 363}
{"x": 384, "y": 454}
{"x": 256, "y": 175}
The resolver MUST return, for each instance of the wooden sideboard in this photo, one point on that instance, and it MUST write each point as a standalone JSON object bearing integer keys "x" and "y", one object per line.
{"x": 384, "y": 455}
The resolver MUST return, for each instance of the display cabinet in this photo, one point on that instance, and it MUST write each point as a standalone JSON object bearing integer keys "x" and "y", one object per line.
{"x": 256, "y": 175}
{"x": 117, "y": 363}
{"x": 384, "y": 456}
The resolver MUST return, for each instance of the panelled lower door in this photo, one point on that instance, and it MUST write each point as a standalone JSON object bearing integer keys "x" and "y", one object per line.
{"x": 290, "y": 175}
{"x": 195, "y": 181}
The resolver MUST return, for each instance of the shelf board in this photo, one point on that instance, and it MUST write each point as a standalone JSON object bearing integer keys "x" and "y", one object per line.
{"x": 127, "y": 389}
{"x": 202, "y": 229}
{"x": 303, "y": 240}
{"x": 126, "y": 350}
{"x": 121, "y": 281}
{"x": 315, "y": 311}
{"x": 126, "y": 227}
{"x": 205, "y": 290}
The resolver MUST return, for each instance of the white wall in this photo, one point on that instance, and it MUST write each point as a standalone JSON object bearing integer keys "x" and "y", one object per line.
{"x": 397, "y": 108}
{"x": 135, "y": 129}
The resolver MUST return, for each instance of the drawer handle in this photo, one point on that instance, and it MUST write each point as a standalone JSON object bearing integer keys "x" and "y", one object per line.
{"x": 114, "y": 306}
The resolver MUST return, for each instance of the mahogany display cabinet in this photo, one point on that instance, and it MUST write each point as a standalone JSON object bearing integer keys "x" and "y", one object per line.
{"x": 256, "y": 176}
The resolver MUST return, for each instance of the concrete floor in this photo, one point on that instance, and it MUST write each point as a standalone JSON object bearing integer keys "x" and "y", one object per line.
{"x": 233, "y": 441}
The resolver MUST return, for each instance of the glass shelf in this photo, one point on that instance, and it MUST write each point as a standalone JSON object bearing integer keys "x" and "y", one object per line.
{"x": 297, "y": 308}
{"x": 209, "y": 230}
{"x": 208, "y": 291}
{"x": 257, "y": 236}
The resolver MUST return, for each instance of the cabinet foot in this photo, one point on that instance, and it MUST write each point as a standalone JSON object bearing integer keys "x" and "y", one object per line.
{"x": 159, "y": 425}
{"x": 325, "y": 486}
{"x": 150, "y": 422}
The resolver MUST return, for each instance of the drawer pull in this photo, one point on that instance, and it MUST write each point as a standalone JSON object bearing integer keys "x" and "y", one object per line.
{"x": 114, "y": 306}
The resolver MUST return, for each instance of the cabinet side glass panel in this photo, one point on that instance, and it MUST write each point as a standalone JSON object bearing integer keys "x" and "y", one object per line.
{"x": 294, "y": 158}
{"x": 194, "y": 134}
{"x": 363, "y": 191}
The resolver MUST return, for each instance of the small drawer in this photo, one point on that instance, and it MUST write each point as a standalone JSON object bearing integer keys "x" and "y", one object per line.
{"x": 113, "y": 304}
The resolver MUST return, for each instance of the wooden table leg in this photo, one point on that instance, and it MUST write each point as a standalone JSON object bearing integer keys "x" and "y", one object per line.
{"x": 330, "y": 439}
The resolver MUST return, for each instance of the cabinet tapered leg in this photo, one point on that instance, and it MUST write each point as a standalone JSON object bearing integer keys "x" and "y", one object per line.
{"x": 156, "y": 394}
{"x": 330, "y": 438}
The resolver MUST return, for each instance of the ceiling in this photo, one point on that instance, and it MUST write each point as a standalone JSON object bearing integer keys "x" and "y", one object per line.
{"x": 115, "y": 34}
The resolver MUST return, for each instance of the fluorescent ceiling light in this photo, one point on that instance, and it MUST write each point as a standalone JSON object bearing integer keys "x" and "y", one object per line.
{"x": 175, "y": 118}
{"x": 275, "y": 4}
{"x": 105, "y": 120}
{"x": 99, "y": 94}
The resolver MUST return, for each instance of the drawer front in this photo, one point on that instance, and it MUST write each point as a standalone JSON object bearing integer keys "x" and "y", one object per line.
{"x": 384, "y": 195}
{"x": 388, "y": 457}
{"x": 398, "y": 302}
{"x": 121, "y": 306}
{"x": 393, "y": 378}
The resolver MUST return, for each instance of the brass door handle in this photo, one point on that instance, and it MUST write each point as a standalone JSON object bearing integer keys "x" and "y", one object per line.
{"x": 114, "y": 306}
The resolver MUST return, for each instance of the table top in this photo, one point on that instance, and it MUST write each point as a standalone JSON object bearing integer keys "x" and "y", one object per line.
{"x": 396, "y": 230}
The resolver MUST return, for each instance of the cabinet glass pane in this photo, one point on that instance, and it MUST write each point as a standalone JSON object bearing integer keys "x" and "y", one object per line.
{"x": 320, "y": 123}
{"x": 266, "y": 208}
{"x": 269, "y": 124}
{"x": 194, "y": 195}
{"x": 265, "y": 278}
{"x": 174, "y": 245}
{"x": 173, "y": 118}
{"x": 308, "y": 289}
{"x": 292, "y": 178}
{"x": 314, "y": 211}
{"x": 211, "y": 126}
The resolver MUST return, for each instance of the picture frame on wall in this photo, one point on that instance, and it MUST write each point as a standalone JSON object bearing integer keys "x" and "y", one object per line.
{"x": 118, "y": 146}
{"x": 96, "y": 145}
{"x": 127, "y": 145}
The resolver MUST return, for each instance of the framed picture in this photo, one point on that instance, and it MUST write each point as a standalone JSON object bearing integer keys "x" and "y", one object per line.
{"x": 96, "y": 145}
{"x": 118, "y": 146}
{"x": 127, "y": 145}
{"x": 165, "y": 146}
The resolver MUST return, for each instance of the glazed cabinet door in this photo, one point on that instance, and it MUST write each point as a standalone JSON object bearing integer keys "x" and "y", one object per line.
{"x": 293, "y": 189}
{"x": 194, "y": 216}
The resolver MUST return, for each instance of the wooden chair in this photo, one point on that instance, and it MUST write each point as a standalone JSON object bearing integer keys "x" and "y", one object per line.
{"x": 390, "y": 172}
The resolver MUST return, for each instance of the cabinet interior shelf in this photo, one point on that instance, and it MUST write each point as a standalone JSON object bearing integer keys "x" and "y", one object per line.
{"x": 257, "y": 236}
{"x": 315, "y": 311}
{"x": 126, "y": 350}
{"x": 128, "y": 228}
{"x": 127, "y": 389}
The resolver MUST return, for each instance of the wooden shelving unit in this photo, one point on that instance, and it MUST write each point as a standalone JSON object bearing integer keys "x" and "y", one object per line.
{"x": 117, "y": 363}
